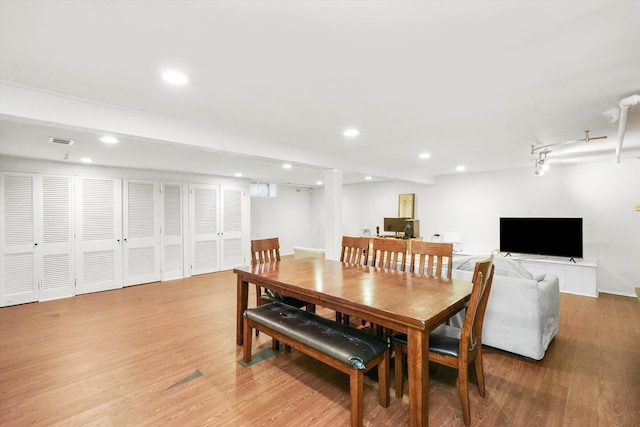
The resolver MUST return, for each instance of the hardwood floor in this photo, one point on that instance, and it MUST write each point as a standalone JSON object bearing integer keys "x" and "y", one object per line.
{"x": 117, "y": 358}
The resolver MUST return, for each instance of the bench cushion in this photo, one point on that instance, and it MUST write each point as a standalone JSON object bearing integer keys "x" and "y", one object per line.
{"x": 351, "y": 346}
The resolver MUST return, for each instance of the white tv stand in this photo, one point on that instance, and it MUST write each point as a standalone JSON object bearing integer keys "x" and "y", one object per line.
{"x": 575, "y": 277}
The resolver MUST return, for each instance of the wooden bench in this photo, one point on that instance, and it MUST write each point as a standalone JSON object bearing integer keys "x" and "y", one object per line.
{"x": 349, "y": 350}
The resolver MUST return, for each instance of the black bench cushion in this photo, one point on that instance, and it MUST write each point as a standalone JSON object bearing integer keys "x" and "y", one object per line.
{"x": 351, "y": 346}
{"x": 444, "y": 340}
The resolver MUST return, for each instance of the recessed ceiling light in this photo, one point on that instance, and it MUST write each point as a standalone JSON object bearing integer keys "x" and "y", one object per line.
{"x": 318, "y": 182}
{"x": 367, "y": 178}
{"x": 286, "y": 166}
{"x": 424, "y": 155}
{"x": 86, "y": 160}
{"x": 175, "y": 77}
{"x": 109, "y": 140}
{"x": 461, "y": 168}
{"x": 237, "y": 174}
{"x": 351, "y": 132}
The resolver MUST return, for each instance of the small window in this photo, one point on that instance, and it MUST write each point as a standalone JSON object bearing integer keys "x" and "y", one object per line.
{"x": 263, "y": 190}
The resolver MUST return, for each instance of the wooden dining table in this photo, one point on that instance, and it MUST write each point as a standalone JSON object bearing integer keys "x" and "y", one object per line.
{"x": 404, "y": 302}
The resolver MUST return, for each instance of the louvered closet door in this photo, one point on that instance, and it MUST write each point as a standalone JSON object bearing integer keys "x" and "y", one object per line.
{"x": 232, "y": 236}
{"x": 141, "y": 221}
{"x": 18, "y": 270}
{"x": 203, "y": 228}
{"x": 98, "y": 234}
{"x": 172, "y": 241}
{"x": 56, "y": 256}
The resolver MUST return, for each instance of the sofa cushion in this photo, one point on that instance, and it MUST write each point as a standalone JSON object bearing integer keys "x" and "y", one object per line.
{"x": 504, "y": 267}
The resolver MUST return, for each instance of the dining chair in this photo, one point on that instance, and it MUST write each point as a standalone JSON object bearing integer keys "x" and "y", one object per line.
{"x": 390, "y": 254}
{"x": 455, "y": 347}
{"x": 265, "y": 251}
{"x": 355, "y": 250}
{"x": 429, "y": 258}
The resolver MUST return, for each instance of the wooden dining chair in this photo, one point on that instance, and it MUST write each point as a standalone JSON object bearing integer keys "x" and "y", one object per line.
{"x": 265, "y": 251}
{"x": 390, "y": 254}
{"x": 454, "y": 347}
{"x": 355, "y": 250}
{"x": 429, "y": 258}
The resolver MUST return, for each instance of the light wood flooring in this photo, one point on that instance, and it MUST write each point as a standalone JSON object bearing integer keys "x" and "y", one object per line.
{"x": 165, "y": 354}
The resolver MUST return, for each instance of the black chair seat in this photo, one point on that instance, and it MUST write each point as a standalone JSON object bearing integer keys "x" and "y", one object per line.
{"x": 444, "y": 340}
{"x": 273, "y": 296}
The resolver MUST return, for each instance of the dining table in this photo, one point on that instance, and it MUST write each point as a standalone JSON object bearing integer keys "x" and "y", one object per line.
{"x": 405, "y": 302}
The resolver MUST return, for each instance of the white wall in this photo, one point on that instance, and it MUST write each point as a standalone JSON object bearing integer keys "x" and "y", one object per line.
{"x": 287, "y": 216}
{"x": 604, "y": 194}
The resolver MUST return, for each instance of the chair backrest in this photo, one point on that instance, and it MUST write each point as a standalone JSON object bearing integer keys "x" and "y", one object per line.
{"x": 471, "y": 335}
{"x": 265, "y": 250}
{"x": 431, "y": 256}
{"x": 355, "y": 250}
{"x": 389, "y": 253}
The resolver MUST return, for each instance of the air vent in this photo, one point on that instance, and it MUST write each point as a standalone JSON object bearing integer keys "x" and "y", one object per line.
{"x": 61, "y": 141}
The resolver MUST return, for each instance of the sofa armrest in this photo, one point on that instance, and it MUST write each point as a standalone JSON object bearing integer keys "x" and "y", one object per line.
{"x": 549, "y": 307}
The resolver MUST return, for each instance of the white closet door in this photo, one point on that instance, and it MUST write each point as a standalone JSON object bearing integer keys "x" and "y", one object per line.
{"x": 18, "y": 270}
{"x": 203, "y": 228}
{"x": 172, "y": 241}
{"x": 98, "y": 234}
{"x": 232, "y": 242}
{"x": 56, "y": 256}
{"x": 141, "y": 222}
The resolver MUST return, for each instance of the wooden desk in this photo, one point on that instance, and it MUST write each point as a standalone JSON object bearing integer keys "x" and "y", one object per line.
{"x": 401, "y": 301}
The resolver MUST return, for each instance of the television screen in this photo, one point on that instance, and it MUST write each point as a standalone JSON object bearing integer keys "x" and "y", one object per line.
{"x": 560, "y": 237}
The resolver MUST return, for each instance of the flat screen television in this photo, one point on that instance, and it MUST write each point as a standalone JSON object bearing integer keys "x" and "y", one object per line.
{"x": 560, "y": 237}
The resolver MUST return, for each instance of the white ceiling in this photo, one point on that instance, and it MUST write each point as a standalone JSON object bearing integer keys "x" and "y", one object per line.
{"x": 473, "y": 83}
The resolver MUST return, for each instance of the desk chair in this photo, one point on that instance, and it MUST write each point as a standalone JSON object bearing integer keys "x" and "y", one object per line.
{"x": 454, "y": 347}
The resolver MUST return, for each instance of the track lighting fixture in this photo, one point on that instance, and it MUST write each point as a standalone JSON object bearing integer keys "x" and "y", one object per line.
{"x": 542, "y": 163}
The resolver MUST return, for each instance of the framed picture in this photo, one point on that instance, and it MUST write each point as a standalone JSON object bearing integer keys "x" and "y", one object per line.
{"x": 406, "y": 204}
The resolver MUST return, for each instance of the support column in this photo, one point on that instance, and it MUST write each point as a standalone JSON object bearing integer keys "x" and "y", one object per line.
{"x": 332, "y": 213}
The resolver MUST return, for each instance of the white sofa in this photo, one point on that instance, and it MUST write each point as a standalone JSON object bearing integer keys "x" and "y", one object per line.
{"x": 522, "y": 313}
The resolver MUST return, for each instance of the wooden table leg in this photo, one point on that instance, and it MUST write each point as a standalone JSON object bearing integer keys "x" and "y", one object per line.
{"x": 241, "y": 306}
{"x": 418, "y": 372}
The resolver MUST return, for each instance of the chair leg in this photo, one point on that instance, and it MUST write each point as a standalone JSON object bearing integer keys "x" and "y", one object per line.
{"x": 258, "y": 301}
{"x": 463, "y": 390}
{"x": 356, "y": 390}
{"x": 479, "y": 372}
{"x": 399, "y": 356}
{"x": 383, "y": 379}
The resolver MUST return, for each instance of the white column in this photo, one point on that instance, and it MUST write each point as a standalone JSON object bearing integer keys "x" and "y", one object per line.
{"x": 332, "y": 213}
